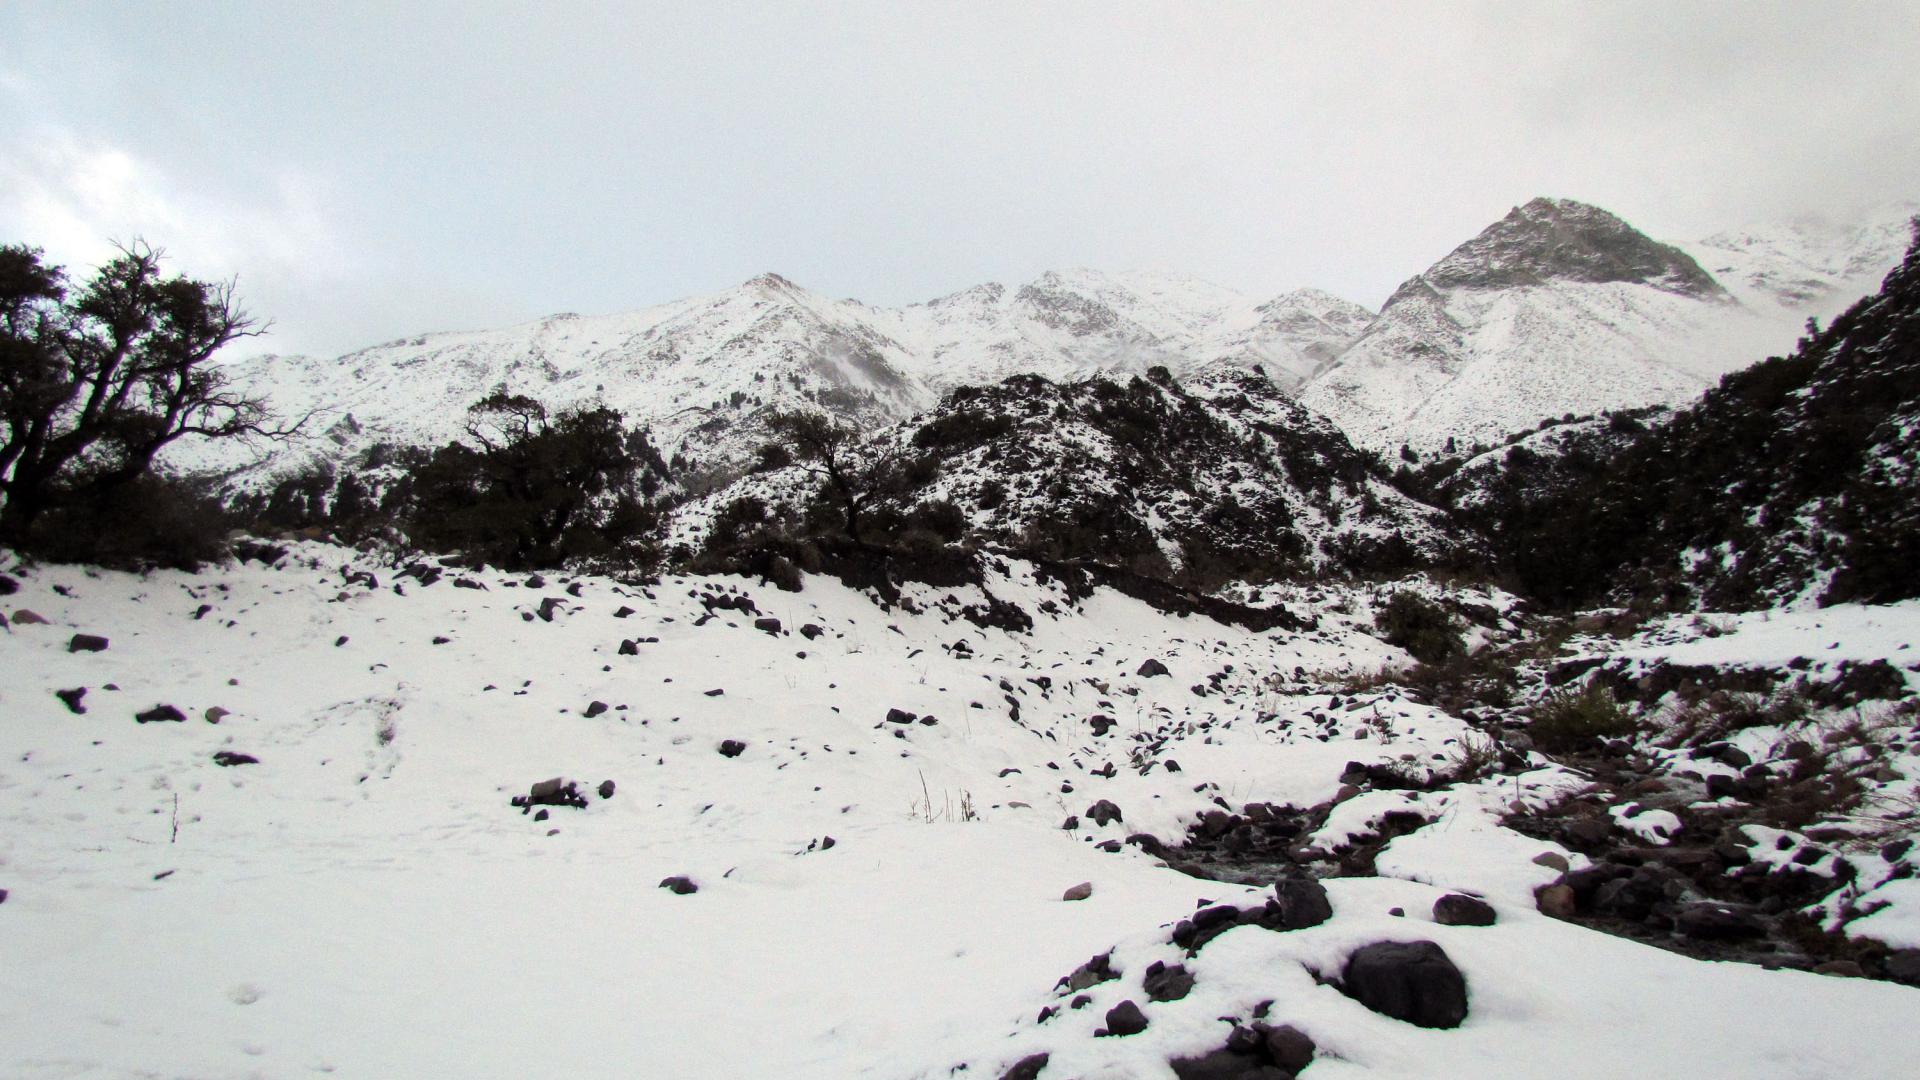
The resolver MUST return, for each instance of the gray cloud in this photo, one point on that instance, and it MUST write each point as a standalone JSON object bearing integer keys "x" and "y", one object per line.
{"x": 377, "y": 170}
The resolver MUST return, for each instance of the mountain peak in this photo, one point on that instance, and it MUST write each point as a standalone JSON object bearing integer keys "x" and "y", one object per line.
{"x": 770, "y": 280}
{"x": 1549, "y": 240}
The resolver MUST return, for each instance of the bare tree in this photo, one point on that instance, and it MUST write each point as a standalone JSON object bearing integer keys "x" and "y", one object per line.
{"x": 95, "y": 382}
{"x": 825, "y": 447}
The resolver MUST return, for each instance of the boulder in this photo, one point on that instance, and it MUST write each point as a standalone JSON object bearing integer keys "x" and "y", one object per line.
{"x": 86, "y": 643}
{"x": 1226, "y": 1063}
{"x": 1152, "y": 668}
{"x": 161, "y": 714}
{"x": 595, "y": 708}
{"x": 814, "y": 630}
{"x": 1103, "y": 812}
{"x": 1167, "y": 982}
{"x": 1903, "y": 966}
{"x": 605, "y": 789}
{"x": 629, "y": 648}
{"x": 228, "y": 758}
{"x": 1290, "y": 1048}
{"x": 23, "y": 617}
{"x": 767, "y": 626}
{"x": 1557, "y": 901}
{"x": 1079, "y": 892}
{"x": 1710, "y": 920}
{"x": 216, "y": 713}
{"x": 1027, "y": 1068}
{"x": 679, "y": 885}
{"x": 1299, "y": 902}
{"x": 71, "y": 698}
{"x": 1459, "y": 909}
{"x": 1414, "y": 981}
{"x": 732, "y": 748}
{"x": 1124, "y": 1019}
{"x": 901, "y": 716}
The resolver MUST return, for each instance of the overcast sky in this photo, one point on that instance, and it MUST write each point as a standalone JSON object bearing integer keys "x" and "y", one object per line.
{"x": 371, "y": 171}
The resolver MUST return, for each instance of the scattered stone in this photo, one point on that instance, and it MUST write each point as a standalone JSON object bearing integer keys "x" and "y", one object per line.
{"x": 1164, "y": 982}
{"x": 1027, "y": 1068}
{"x": 814, "y": 630}
{"x": 1459, "y": 909}
{"x": 1715, "y": 921}
{"x": 548, "y": 606}
{"x": 541, "y": 815}
{"x": 680, "y": 885}
{"x": 3, "y": 896}
{"x": 716, "y": 692}
{"x": 216, "y": 713}
{"x": 901, "y": 716}
{"x": 1903, "y": 965}
{"x": 23, "y": 617}
{"x": 1290, "y": 1048}
{"x": 1151, "y": 668}
{"x": 1300, "y": 902}
{"x": 767, "y": 626}
{"x": 1103, "y": 812}
{"x": 623, "y": 612}
{"x": 1557, "y": 901}
{"x": 86, "y": 643}
{"x": 228, "y": 759}
{"x": 629, "y": 648}
{"x": 1095, "y": 971}
{"x": 595, "y": 708}
{"x": 1845, "y": 969}
{"x": 1124, "y": 1019}
{"x": 8, "y": 586}
{"x": 605, "y": 789}
{"x": 161, "y": 713}
{"x": 71, "y": 698}
{"x": 1079, "y": 892}
{"x": 732, "y": 748}
{"x": 1414, "y": 981}
{"x": 1100, "y": 724}
{"x": 1552, "y": 860}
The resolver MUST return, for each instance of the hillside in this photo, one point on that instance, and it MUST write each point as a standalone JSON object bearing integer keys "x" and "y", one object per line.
{"x": 1791, "y": 481}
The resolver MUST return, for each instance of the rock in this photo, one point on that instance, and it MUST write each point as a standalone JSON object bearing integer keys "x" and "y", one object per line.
{"x": 732, "y": 748}
{"x": 1104, "y": 812}
{"x": 548, "y": 606}
{"x": 1079, "y": 892}
{"x": 1556, "y": 901}
{"x": 605, "y": 789}
{"x": 23, "y": 617}
{"x": 1589, "y": 830}
{"x": 1100, "y": 724}
{"x": 1896, "y": 851}
{"x": 71, "y": 698}
{"x": 1711, "y": 920}
{"x": 716, "y": 692}
{"x": 1226, "y": 1063}
{"x": 1290, "y": 1048}
{"x": 215, "y": 714}
{"x": 814, "y": 630}
{"x": 557, "y": 791}
{"x": 228, "y": 759}
{"x": 161, "y": 713}
{"x": 1552, "y": 860}
{"x": 1095, "y": 971}
{"x": 1299, "y": 902}
{"x": 1124, "y": 1019}
{"x": 1164, "y": 982}
{"x": 623, "y": 612}
{"x": 1414, "y": 981}
{"x": 1459, "y": 909}
{"x": 535, "y": 581}
{"x": 1846, "y": 969}
{"x": 1151, "y": 668}
{"x": 1903, "y": 966}
{"x": 1027, "y": 1068}
{"x": 680, "y": 884}
{"x": 542, "y": 815}
{"x": 901, "y": 716}
{"x": 8, "y": 586}
{"x": 767, "y": 626}
{"x": 629, "y": 648}
{"x": 595, "y": 708}
{"x": 3, "y": 896}
{"x": 86, "y": 643}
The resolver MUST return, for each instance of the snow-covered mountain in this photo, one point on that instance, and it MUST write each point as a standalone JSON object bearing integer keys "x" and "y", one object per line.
{"x": 1561, "y": 307}
{"x": 702, "y": 372}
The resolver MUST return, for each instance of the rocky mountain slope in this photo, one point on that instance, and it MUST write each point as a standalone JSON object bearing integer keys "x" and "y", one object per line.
{"x": 1561, "y": 307}
{"x": 1792, "y": 479}
{"x": 1203, "y": 482}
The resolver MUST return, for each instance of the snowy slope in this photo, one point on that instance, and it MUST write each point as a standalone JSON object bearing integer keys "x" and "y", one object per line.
{"x": 1563, "y": 308}
{"x": 364, "y": 902}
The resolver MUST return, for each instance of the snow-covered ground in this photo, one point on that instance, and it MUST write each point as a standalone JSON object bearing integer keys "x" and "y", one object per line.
{"x": 364, "y": 902}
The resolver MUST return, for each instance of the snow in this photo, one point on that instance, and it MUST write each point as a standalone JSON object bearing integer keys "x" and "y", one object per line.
{"x": 368, "y": 905}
